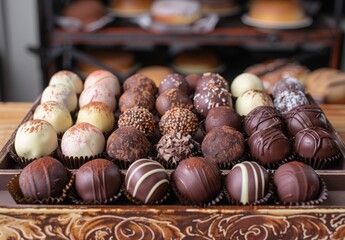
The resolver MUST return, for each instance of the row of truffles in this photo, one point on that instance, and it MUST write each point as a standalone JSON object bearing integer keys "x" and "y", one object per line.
{"x": 195, "y": 181}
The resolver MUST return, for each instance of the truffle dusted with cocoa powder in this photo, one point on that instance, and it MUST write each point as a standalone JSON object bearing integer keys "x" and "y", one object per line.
{"x": 136, "y": 97}
{"x": 174, "y": 80}
{"x": 138, "y": 80}
{"x": 223, "y": 116}
{"x": 172, "y": 98}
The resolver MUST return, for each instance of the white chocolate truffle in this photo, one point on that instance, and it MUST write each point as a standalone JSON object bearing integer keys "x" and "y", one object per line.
{"x": 56, "y": 114}
{"x": 105, "y": 80}
{"x": 35, "y": 138}
{"x": 95, "y": 94}
{"x": 61, "y": 93}
{"x": 98, "y": 114}
{"x": 82, "y": 140}
{"x": 251, "y": 99}
{"x": 244, "y": 82}
{"x": 67, "y": 78}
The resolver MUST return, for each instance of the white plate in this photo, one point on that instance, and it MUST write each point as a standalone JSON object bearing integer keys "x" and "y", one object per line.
{"x": 305, "y": 22}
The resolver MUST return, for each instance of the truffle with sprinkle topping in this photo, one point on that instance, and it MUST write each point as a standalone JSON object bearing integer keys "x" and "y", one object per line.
{"x": 209, "y": 80}
{"x": 174, "y": 80}
{"x": 172, "y": 98}
{"x": 138, "y": 80}
{"x": 289, "y": 99}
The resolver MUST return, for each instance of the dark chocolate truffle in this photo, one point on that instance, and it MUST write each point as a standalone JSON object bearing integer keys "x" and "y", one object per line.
{"x": 210, "y": 80}
{"x": 179, "y": 120}
{"x": 305, "y": 116}
{"x": 127, "y": 144}
{"x": 288, "y": 83}
{"x": 147, "y": 181}
{"x": 136, "y": 97}
{"x": 289, "y": 99}
{"x": 260, "y": 118}
{"x": 98, "y": 180}
{"x": 174, "y": 80}
{"x": 296, "y": 182}
{"x": 138, "y": 80}
{"x": 223, "y": 116}
{"x": 223, "y": 145}
{"x": 43, "y": 178}
{"x": 269, "y": 145}
{"x": 140, "y": 118}
{"x": 197, "y": 180}
{"x": 247, "y": 182}
{"x": 172, "y": 98}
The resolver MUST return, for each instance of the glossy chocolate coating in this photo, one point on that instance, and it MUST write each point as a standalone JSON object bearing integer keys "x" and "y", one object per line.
{"x": 316, "y": 142}
{"x": 223, "y": 116}
{"x": 247, "y": 182}
{"x": 45, "y": 177}
{"x": 127, "y": 144}
{"x": 138, "y": 80}
{"x": 269, "y": 145}
{"x": 97, "y": 180}
{"x": 260, "y": 118}
{"x": 172, "y": 98}
{"x": 197, "y": 180}
{"x": 174, "y": 80}
{"x": 289, "y": 99}
{"x": 223, "y": 145}
{"x": 211, "y": 80}
{"x": 288, "y": 83}
{"x": 147, "y": 181}
{"x": 296, "y": 182}
{"x": 305, "y": 116}
{"x": 136, "y": 97}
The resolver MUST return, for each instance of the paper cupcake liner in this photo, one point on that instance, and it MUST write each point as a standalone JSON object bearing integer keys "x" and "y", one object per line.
{"x": 322, "y": 196}
{"x": 319, "y": 163}
{"x": 76, "y": 162}
{"x": 14, "y": 189}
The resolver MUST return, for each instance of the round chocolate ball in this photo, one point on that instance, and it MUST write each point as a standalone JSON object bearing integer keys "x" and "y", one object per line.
{"x": 289, "y": 99}
{"x": 197, "y": 180}
{"x": 43, "y": 178}
{"x": 174, "y": 80}
{"x": 210, "y": 80}
{"x": 222, "y": 145}
{"x": 192, "y": 80}
{"x": 97, "y": 180}
{"x": 296, "y": 182}
{"x": 251, "y": 99}
{"x": 288, "y": 83}
{"x": 147, "y": 181}
{"x": 247, "y": 182}
{"x": 223, "y": 116}
{"x": 244, "y": 82}
{"x": 138, "y": 80}
{"x": 136, "y": 97}
{"x": 172, "y": 98}
{"x": 127, "y": 144}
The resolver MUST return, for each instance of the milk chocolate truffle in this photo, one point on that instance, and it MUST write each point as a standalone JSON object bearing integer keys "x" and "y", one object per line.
{"x": 82, "y": 140}
{"x": 67, "y": 78}
{"x": 262, "y": 117}
{"x": 288, "y": 99}
{"x": 197, "y": 180}
{"x": 103, "y": 79}
{"x": 98, "y": 114}
{"x": 35, "y": 138}
{"x": 192, "y": 80}
{"x": 174, "y": 80}
{"x": 222, "y": 145}
{"x": 138, "y": 80}
{"x": 247, "y": 182}
{"x": 288, "y": 83}
{"x": 128, "y": 144}
{"x": 136, "y": 97}
{"x": 210, "y": 80}
{"x": 172, "y": 98}
{"x": 140, "y": 118}
{"x": 61, "y": 93}
{"x": 56, "y": 114}
{"x": 244, "y": 82}
{"x": 251, "y": 99}
{"x": 223, "y": 116}
{"x": 296, "y": 182}
{"x": 43, "y": 178}
{"x": 269, "y": 145}
{"x": 97, "y": 180}
{"x": 305, "y": 116}
{"x": 179, "y": 120}
{"x": 97, "y": 94}
{"x": 147, "y": 181}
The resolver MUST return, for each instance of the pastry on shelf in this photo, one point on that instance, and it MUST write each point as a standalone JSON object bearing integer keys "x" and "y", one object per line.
{"x": 130, "y": 8}
{"x": 220, "y": 7}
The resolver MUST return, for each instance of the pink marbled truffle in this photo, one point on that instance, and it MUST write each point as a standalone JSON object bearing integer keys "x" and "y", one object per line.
{"x": 105, "y": 80}
{"x": 97, "y": 94}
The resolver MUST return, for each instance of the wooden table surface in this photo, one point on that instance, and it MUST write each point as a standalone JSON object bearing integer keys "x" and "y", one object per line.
{"x": 11, "y": 114}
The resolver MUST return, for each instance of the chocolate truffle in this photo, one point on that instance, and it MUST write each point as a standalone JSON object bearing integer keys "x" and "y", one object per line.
{"x": 96, "y": 93}
{"x": 296, "y": 182}
{"x": 192, "y": 80}
{"x": 61, "y": 93}
{"x": 262, "y": 117}
{"x": 138, "y": 80}
{"x": 172, "y": 98}
{"x": 222, "y": 145}
{"x": 104, "y": 80}
{"x": 179, "y": 120}
{"x": 269, "y": 145}
{"x": 210, "y": 80}
{"x": 305, "y": 116}
{"x": 251, "y": 99}
{"x": 288, "y": 99}
{"x": 244, "y": 82}
{"x": 67, "y": 78}
{"x": 82, "y": 140}
{"x": 316, "y": 142}
{"x": 197, "y": 180}
{"x": 174, "y": 80}
{"x": 128, "y": 144}
{"x": 136, "y": 97}
{"x": 174, "y": 147}
{"x": 247, "y": 182}
{"x": 35, "y": 138}
{"x": 223, "y": 116}
{"x": 147, "y": 181}
{"x": 97, "y": 180}
{"x": 288, "y": 83}
{"x": 140, "y": 118}
{"x": 43, "y": 178}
